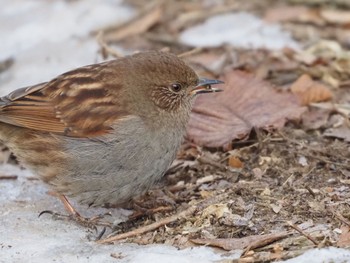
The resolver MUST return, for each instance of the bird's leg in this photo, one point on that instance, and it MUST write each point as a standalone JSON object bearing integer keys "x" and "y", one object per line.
{"x": 73, "y": 214}
{"x": 68, "y": 206}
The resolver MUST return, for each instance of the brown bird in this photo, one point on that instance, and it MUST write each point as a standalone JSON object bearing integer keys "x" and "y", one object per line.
{"x": 103, "y": 133}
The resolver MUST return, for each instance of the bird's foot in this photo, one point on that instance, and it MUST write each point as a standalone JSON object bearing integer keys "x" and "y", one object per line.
{"x": 91, "y": 223}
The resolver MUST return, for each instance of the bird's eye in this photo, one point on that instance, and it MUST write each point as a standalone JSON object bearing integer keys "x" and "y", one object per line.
{"x": 176, "y": 87}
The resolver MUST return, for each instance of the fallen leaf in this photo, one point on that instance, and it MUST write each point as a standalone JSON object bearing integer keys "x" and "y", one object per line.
{"x": 241, "y": 243}
{"x": 344, "y": 238}
{"x": 346, "y": 173}
{"x": 205, "y": 179}
{"x": 233, "y": 220}
{"x": 344, "y": 109}
{"x": 285, "y": 13}
{"x": 315, "y": 118}
{"x": 336, "y": 16}
{"x": 189, "y": 18}
{"x": 342, "y": 132}
{"x": 324, "y": 50}
{"x": 235, "y": 162}
{"x": 217, "y": 210}
{"x": 345, "y": 181}
{"x": 309, "y": 91}
{"x": 246, "y": 102}
{"x": 311, "y": 16}
{"x": 331, "y": 80}
{"x": 266, "y": 192}
{"x": 276, "y": 208}
{"x": 303, "y": 14}
{"x": 329, "y": 189}
{"x": 337, "y": 120}
{"x": 206, "y": 61}
{"x": 206, "y": 194}
{"x": 277, "y": 248}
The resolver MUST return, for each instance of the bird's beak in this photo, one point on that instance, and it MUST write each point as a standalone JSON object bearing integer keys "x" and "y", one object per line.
{"x": 204, "y": 86}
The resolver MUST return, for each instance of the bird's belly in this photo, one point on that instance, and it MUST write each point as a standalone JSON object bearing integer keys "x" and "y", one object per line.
{"x": 112, "y": 172}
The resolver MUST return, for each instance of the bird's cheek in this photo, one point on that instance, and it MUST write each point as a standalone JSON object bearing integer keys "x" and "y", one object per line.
{"x": 190, "y": 94}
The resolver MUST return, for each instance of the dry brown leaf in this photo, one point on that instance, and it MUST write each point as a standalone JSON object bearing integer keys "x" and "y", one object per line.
{"x": 217, "y": 210}
{"x": 207, "y": 61}
{"x": 241, "y": 243}
{"x": 285, "y": 13}
{"x": 309, "y": 91}
{"x": 189, "y": 18}
{"x": 315, "y": 118}
{"x": 235, "y": 162}
{"x": 246, "y": 102}
{"x": 300, "y": 14}
{"x": 344, "y": 238}
{"x": 336, "y": 16}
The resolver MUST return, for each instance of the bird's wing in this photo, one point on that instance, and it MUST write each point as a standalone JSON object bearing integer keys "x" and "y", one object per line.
{"x": 76, "y": 104}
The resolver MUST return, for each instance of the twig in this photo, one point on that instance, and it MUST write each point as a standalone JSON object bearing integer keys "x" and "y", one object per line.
{"x": 198, "y": 207}
{"x": 289, "y": 180}
{"x": 8, "y": 177}
{"x": 328, "y": 161}
{"x": 309, "y": 172}
{"x": 148, "y": 17}
{"x": 339, "y": 216}
{"x": 206, "y": 160}
{"x": 105, "y": 49}
{"x": 310, "y": 191}
{"x": 173, "y": 169}
{"x": 342, "y": 219}
{"x": 303, "y": 233}
{"x": 263, "y": 257}
{"x": 190, "y": 52}
{"x": 270, "y": 238}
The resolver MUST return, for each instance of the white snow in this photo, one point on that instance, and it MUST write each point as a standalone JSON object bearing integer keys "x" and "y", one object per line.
{"x": 324, "y": 255}
{"x": 47, "y": 38}
{"x": 241, "y": 29}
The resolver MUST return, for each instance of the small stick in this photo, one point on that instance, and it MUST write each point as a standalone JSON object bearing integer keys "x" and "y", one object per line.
{"x": 310, "y": 191}
{"x": 342, "y": 219}
{"x": 303, "y": 233}
{"x": 8, "y": 177}
{"x": 207, "y": 160}
{"x": 105, "y": 48}
{"x": 190, "y": 52}
{"x": 339, "y": 216}
{"x": 192, "y": 209}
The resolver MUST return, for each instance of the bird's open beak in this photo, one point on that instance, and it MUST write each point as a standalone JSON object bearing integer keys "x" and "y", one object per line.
{"x": 204, "y": 86}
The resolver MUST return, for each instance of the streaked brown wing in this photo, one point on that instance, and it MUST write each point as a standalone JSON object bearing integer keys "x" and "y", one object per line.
{"x": 76, "y": 103}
